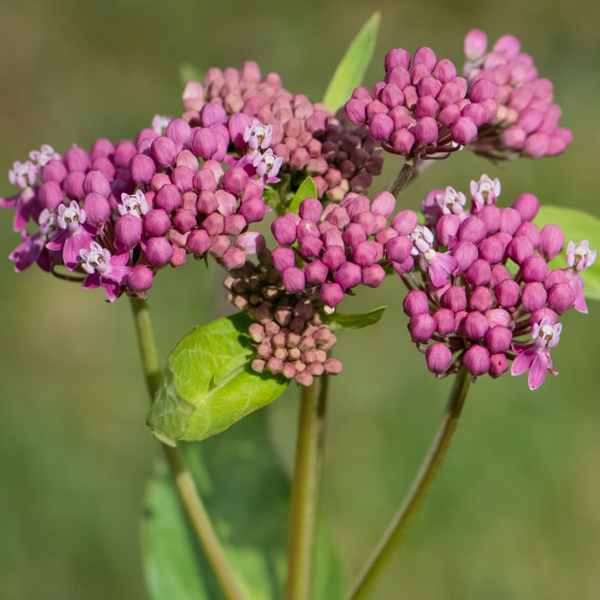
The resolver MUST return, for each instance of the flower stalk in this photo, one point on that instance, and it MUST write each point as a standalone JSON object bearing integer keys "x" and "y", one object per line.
{"x": 305, "y": 491}
{"x": 183, "y": 479}
{"x": 429, "y": 469}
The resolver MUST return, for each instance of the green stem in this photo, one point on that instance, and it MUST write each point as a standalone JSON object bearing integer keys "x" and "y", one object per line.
{"x": 184, "y": 482}
{"x": 404, "y": 177}
{"x": 305, "y": 491}
{"x": 429, "y": 469}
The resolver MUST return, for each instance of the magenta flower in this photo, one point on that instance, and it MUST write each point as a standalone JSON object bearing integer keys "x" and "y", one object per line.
{"x": 440, "y": 265}
{"x": 133, "y": 204}
{"x": 23, "y": 175}
{"x": 159, "y": 124}
{"x": 267, "y": 165}
{"x": 25, "y": 205}
{"x": 73, "y": 235}
{"x": 485, "y": 191}
{"x": 104, "y": 270}
{"x": 44, "y": 155}
{"x": 258, "y": 136}
{"x": 535, "y": 357}
{"x": 579, "y": 258}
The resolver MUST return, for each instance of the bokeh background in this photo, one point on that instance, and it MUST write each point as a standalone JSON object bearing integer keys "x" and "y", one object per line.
{"x": 515, "y": 513}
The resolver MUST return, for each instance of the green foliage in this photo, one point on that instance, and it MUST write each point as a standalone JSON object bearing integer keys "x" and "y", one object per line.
{"x": 307, "y": 189}
{"x": 351, "y": 69}
{"x": 339, "y": 322}
{"x": 188, "y": 72}
{"x": 208, "y": 384}
{"x": 577, "y": 225}
{"x": 247, "y": 495}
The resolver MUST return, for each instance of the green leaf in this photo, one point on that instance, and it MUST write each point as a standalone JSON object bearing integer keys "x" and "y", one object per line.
{"x": 188, "y": 72}
{"x": 351, "y": 70}
{"x": 577, "y": 226}
{"x": 208, "y": 384}
{"x": 246, "y": 493}
{"x": 339, "y": 322}
{"x": 307, "y": 189}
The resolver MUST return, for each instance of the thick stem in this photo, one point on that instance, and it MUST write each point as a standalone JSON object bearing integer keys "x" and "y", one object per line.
{"x": 305, "y": 491}
{"x": 429, "y": 469}
{"x": 184, "y": 482}
{"x": 404, "y": 177}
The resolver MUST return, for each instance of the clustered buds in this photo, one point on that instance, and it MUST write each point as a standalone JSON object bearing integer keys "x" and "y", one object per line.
{"x": 422, "y": 107}
{"x": 485, "y": 286}
{"x": 306, "y": 136}
{"x": 290, "y": 336}
{"x": 327, "y": 252}
{"x": 526, "y": 122}
{"x": 121, "y": 212}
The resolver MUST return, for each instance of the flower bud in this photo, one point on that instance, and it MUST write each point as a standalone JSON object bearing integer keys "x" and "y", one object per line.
{"x": 54, "y": 170}
{"x": 348, "y": 275}
{"x": 472, "y": 230}
{"x": 50, "y": 195}
{"x": 498, "y": 339}
{"x": 533, "y": 296}
{"x": 534, "y": 268}
{"x": 140, "y": 278}
{"x": 520, "y": 248}
{"x": 310, "y": 209}
{"x": 142, "y": 168}
{"x": 426, "y": 130}
{"x": 475, "y": 45}
{"x": 492, "y": 249}
{"x": 331, "y": 294}
{"x": 168, "y": 198}
{"x": 527, "y": 205}
{"x": 235, "y": 180}
{"x": 334, "y": 257}
{"x": 355, "y": 109}
{"x": 233, "y": 258}
{"x": 415, "y": 303}
{"x": 498, "y": 365}
{"x": 421, "y": 328}
{"x": 491, "y": 215}
{"x": 128, "y": 231}
{"x": 464, "y": 131}
{"x": 481, "y": 299}
{"x": 446, "y": 229}
{"x": 397, "y": 57}
{"x": 507, "y": 293}
{"x": 373, "y": 275}
{"x": 510, "y": 220}
{"x": 477, "y": 360}
{"x": 538, "y": 315}
{"x": 96, "y": 208}
{"x": 402, "y": 141}
{"x": 479, "y": 273}
{"x": 164, "y": 151}
{"x": 204, "y": 143}
{"x": 444, "y": 321}
{"x": 381, "y": 127}
{"x": 514, "y": 137}
{"x": 72, "y": 185}
{"x": 398, "y": 249}
{"x": 253, "y": 210}
{"x": 234, "y": 224}
{"x": 465, "y": 254}
{"x": 476, "y": 325}
{"x": 332, "y": 366}
{"x": 551, "y": 241}
{"x": 316, "y": 271}
{"x": 294, "y": 280}
{"x": 198, "y": 242}
{"x": 158, "y": 251}
{"x": 405, "y": 222}
{"x": 529, "y": 230}
{"x": 560, "y": 297}
{"x": 536, "y": 145}
{"x": 383, "y": 204}
{"x": 555, "y": 276}
{"x": 184, "y": 219}
{"x": 77, "y": 159}
{"x": 310, "y": 246}
{"x": 455, "y": 298}
{"x": 156, "y": 222}
{"x": 213, "y": 114}
{"x": 96, "y": 182}
{"x": 438, "y": 357}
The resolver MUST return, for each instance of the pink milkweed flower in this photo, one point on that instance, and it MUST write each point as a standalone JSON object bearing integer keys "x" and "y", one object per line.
{"x": 73, "y": 235}
{"x": 440, "y": 265}
{"x": 159, "y": 124}
{"x": 23, "y": 175}
{"x": 33, "y": 248}
{"x": 267, "y": 165}
{"x": 44, "y": 155}
{"x": 535, "y": 357}
{"x": 485, "y": 191}
{"x": 25, "y": 206}
{"x": 134, "y": 204}
{"x": 258, "y": 136}
{"x": 104, "y": 270}
{"x": 579, "y": 258}
{"x": 452, "y": 202}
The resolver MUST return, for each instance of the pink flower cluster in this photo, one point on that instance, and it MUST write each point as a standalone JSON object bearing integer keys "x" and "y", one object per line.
{"x": 330, "y": 251}
{"x": 119, "y": 213}
{"x": 307, "y": 136}
{"x": 422, "y": 107}
{"x": 527, "y": 118}
{"x": 290, "y": 336}
{"x": 485, "y": 286}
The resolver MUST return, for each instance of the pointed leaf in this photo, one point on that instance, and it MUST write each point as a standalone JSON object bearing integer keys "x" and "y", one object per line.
{"x": 307, "y": 189}
{"x": 339, "y": 322}
{"x": 246, "y": 493}
{"x": 208, "y": 384}
{"x": 351, "y": 70}
{"x": 577, "y": 226}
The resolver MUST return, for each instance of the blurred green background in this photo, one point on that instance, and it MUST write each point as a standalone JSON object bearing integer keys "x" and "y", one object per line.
{"x": 516, "y": 510}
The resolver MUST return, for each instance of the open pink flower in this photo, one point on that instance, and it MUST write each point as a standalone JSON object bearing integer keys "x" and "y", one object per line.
{"x": 535, "y": 357}
{"x": 579, "y": 258}
{"x": 258, "y": 136}
{"x": 104, "y": 270}
{"x": 485, "y": 191}
{"x": 74, "y": 234}
{"x": 25, "y": 206}
{"x": 440, "y": 265}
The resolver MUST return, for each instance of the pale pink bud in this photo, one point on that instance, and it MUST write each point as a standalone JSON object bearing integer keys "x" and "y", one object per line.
{"x": 415, "y": 303}
{"x": 477, "y": 360}
{"x": 158, "y": 251}
{"x": 331, "y": 294}
{"x": 438, "y": 357}
{"x": 421, "y": 327}
{"x": 527, "y": 205}
{"x": 551, "y": 241}
{"x": 475, "y": 44}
